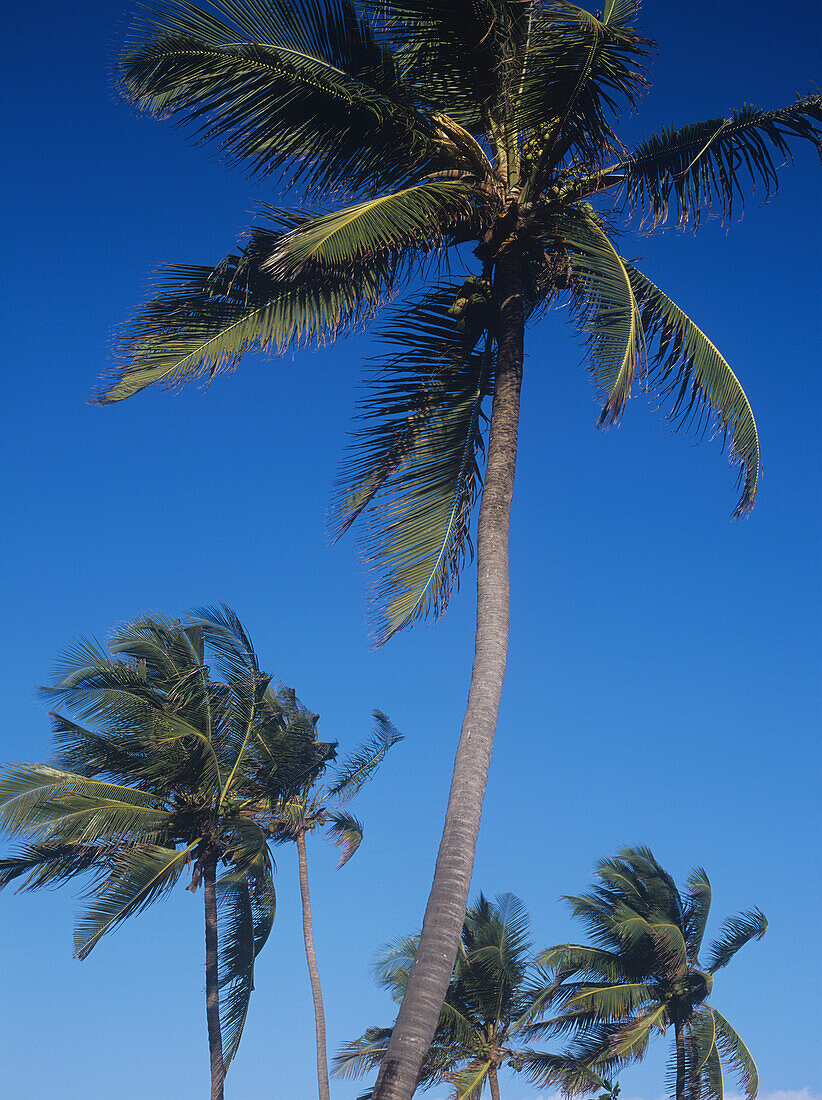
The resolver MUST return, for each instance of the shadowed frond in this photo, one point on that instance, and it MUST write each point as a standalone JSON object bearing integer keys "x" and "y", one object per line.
{"x": 734, "y": 934}
{"x": 346, "y": 832}
{"x": 49, "y": 864}
{"x": 300, "y": 87}
{"x": 698, "y": 909}
{"x": 572, "y": 958}
{"x": 736, "y": 1052}
{"x": 361, "y": 1055}
{"x": 360, "y": 767}
{"x": 414, "y": 464}
{"x": 468, "y": 1083}
{"x": 689, "y": 372}
{"x": 245, "y": 906}
{"x": 139, "y": 876}
{"x": 702, "y": 167}
{"x": 702, "y": 1035}
{"x": 630, "y": 1041}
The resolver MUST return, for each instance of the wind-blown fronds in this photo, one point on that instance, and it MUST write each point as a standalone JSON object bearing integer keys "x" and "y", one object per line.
{"x": 414, "y": 464}
{"x": 733, "y": 1050}
{"x": 302, "y": 86}
{"x": 698, "y": 909}
{"x": 360, "y": 767}
{"x": 688, "y": 370}
{"x": 699, "y": 168}
{"x": 734, "y": 934}
{"x": 202, "y": 320}
{"x": 49, "y": 864}
{"x": 345, "y": 831}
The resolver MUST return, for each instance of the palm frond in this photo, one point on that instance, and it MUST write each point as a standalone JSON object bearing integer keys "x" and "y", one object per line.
{"x": 689, "y": 371}
{"x": 610, "y": 1002}
{"x": 361, "y": 766}
{"x": 245, "y": 908}
{"x": 573, "y": 958}
{"x": 573, "y": 1076}
{"x": 702, "y": 1035}
{"x": 413, "y": 467}
{"x": 49, "y": 864}
{"x": 713, "y": 1081}
{"x": 733, "y": 1050}
{"x": 361, "y": 1055}
{"x": 702, "y": 168}
{"x": 468, "y": 1083}
{"x": 304, "y": 86}
{"x": 139, "y": 876}
{"x": 607, "y": 311}
{"x": 346, "y": 832}
{"x": 430, "y": 214}
{"x": 698, "y": 910}
{"x": 735, "y": 933}
{"x": 202, "y": 320}
{"x": 630, "y": 1041}
{"x": 394, "y": 964}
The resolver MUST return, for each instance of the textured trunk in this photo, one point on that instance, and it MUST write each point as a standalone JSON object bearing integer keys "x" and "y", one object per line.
{"x": 311, "y": 957}
{"x": 215, "y": 1043}
{"x": 493, "y": 1082}
{"x": 447, "y": 901}
{"x": 679, "y": 1038}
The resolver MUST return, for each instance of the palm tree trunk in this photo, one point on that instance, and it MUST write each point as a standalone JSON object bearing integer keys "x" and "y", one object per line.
{"x": 493, "y": 1082}
{"x": 311, "y": 957}
{"x": 679, "y": 1039}
{"x": 215, "y": 1043}
{"x": 445, "y": 912}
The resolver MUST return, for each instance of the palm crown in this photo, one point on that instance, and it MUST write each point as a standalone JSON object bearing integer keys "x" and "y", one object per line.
{"x": 644, "y": 975}
{"x": 488, "y": 122}
{"x": 177, "y": 776}
{"x": 496, "y": 989}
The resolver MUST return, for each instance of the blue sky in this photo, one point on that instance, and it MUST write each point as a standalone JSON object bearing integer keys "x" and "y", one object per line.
{"x": 663, "y": 679}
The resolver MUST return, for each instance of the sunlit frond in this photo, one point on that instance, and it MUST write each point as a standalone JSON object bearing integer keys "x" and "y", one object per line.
{"x": 733, "y": 1050}
{"x": 735, "y": 933}
{"x": 360, "y": 767}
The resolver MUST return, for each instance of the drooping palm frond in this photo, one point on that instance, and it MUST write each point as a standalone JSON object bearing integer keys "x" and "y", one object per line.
{"x": 574, "y": 1076}
{"x": 688, "y": 371}
{"x": 735, "y": 933}
{"x": 361, "y": 766}
{"x": 698, "y": 910}
{"x": 245, "y": 906}
{"x": 607, "y": 311}
{"x": 414, "y": 464}
{"x": 703, "y": 167}
{"x": 202, "y": 320}
{"x": 302, "y": 85}
{"x": 49, "y": 864}
{"x": 139, "y": 876}
{"x": 345, "y": 831}
{"x": 736, "y": 1052}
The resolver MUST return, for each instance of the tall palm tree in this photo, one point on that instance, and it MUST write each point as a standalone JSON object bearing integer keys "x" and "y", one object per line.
{"x": 176, "y": 778}
{"x": 642, "y": 976}
{"x": 495, "y": 991}
{"x": 323, "y": 807}
{"x": 406, "y": 129}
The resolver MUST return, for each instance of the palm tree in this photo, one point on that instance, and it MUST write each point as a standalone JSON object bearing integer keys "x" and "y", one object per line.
{"x": 176, "y": 778}
{"x": 495, "y": 991}
{"x": 322, "y": 807}
{"x": 642, "y": 976}
{"x": 407, "y": 129}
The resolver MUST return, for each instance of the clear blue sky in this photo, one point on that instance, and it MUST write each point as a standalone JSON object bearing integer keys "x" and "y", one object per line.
{"x": 663, "y": 682}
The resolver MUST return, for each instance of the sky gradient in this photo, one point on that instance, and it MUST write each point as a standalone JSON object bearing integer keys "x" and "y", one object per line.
{"x": 663, "y": 683}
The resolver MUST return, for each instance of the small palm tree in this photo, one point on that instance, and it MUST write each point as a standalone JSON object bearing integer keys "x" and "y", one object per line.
{"x": 642, "y": 976}
{"x": 495, "y": 991}
{"x": 176, "y": 777}
{"x": 323, "y": 808}
{"x": 409, "y": 129}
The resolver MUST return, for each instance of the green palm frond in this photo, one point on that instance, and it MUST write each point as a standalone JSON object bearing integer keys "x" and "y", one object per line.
{"x": 573, "y": 1076}
{"x": 394, "y": 964}
{"x": 202, "y": 320}
{"x": 468, "y": 1083}
{"x": 359, "y": 1056}
{"x": 346, "y": 832}
{"x": 304, "y": 86}
{"x": 361, "y": 766}
{"x": 713, "y": 1081}
{"x": 688, "y": 370}
{"x": 245, "y": 907}
{"x": 413, "y": 467}
{"x": 607, "y": 311}
{"x": 573, "y": 958}
{"x": 698, "y": 910}
{"x": 733, "y": 1050}
{"x": 702, "y": 1035}
{"x": 139, "y": 876}
{"x": 579, "y": 71}
{"x": 610, "y": 1002}
{"x": 701, "y": 168}
{"x": 49, "y": 864}
{"x": 430, "y": 214}
{"x": 735, "y": 933}
{"x": 630, "y": 1041}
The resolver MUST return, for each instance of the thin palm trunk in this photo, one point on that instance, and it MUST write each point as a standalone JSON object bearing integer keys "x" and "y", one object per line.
{"x": 311, "y": 958}
{"x": 679, "y": 1039}
{"x": 445, "y": 912}
{"x": 493, "y": 1082}
{"x": 215, "y": 1043}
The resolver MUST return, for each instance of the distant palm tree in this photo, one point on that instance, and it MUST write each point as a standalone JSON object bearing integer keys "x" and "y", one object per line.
{"x": 642, "y": 976}
{"x": 322, "y": 808}
{"x": 177, "y": 776}
{"x": 495, "y": 991}
{"x": 418, "y": 131}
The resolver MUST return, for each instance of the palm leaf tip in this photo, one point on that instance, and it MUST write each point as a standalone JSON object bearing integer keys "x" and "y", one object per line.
{"x": 734, "y": 934}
